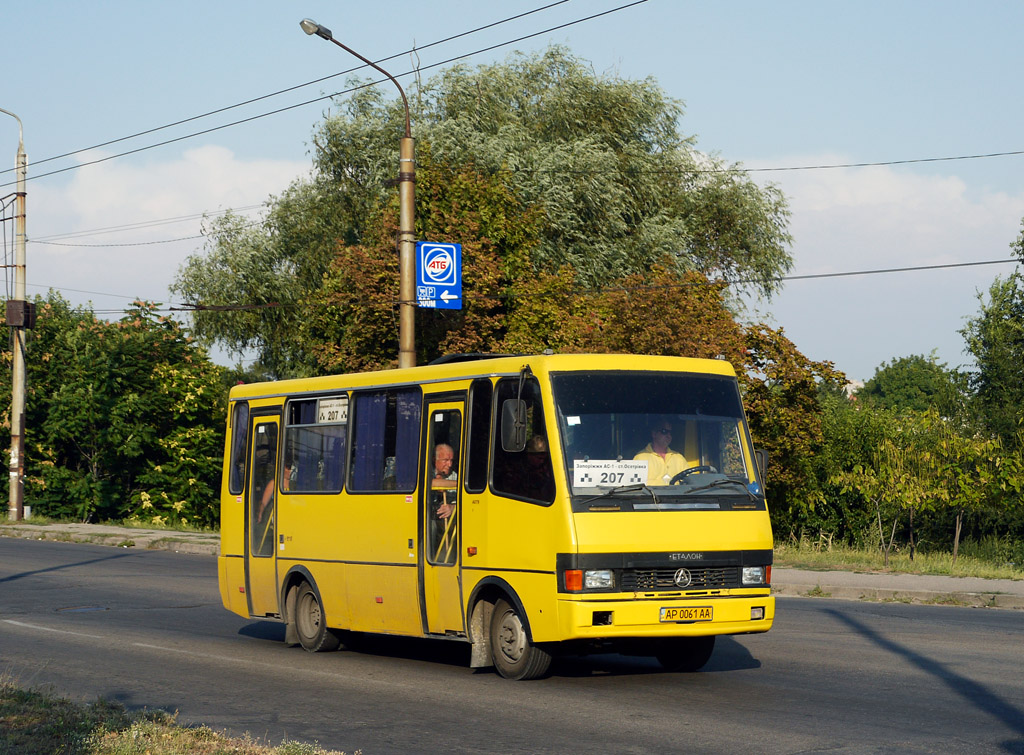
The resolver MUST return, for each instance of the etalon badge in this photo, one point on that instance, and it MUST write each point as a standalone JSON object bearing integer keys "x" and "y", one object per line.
{"x": 682, "y": 578}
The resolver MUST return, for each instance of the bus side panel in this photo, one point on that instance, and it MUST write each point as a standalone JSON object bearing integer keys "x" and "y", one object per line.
{"x": 383, "y": 599}
{"x": 516, "y": 542}
{"x": 231, "y": 561}
{"x": 330, "y": 583}
{"x": 231, "y": 572}
{"x": 361, "y": 544}
{"x": 232, "y": 507}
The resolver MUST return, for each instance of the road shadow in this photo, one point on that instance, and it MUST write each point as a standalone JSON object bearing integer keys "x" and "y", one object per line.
{"x": 977, "y": 695}
{"x": 60, "y": 567}
{"x": 263, "y": 630}
{"x": 452, "y": 653}
{"x": 729, "y": 655}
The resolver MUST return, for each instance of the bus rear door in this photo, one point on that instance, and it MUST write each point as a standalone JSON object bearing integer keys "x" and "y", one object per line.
{"x": 261, "y": 515}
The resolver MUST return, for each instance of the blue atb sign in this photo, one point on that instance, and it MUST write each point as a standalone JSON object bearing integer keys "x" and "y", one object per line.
{"x": 439, "y": 275}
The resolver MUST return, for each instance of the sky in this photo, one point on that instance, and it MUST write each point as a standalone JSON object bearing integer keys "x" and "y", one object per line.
{"x": 769, "y": 85}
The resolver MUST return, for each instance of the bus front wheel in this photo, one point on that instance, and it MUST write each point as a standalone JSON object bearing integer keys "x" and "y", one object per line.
{"x": 310, "y": 623}
{"x": 686, "y": 653}
{"x": 513, "y": 654}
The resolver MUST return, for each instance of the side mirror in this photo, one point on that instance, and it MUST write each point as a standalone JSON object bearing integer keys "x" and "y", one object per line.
{"x": 513, "y": 425}
{"x": 761, "y": 458}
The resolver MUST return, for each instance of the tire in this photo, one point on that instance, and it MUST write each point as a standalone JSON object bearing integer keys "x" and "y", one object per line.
{"x": 514, "y": 656}
{"x": 685, "y": 654}
{"x": 311, "y": 623}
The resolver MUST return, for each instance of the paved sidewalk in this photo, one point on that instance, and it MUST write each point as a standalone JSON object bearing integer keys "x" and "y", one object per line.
{"x": 906, "y": 588}
{"x": 121, "y": 537}
{"x": 875, "y": 586}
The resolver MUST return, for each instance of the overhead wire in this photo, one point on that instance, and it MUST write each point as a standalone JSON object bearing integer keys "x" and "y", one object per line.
{"x": 199, "y": 307}
{"x": 145, "y": 224}
{"x": 253, "y": 100}
{"x": 330, "y": 96}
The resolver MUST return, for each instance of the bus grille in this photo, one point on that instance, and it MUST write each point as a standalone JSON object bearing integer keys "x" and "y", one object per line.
{"x": 647, "y": 580}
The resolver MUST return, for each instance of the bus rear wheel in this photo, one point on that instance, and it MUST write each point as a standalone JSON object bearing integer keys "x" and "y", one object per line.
{"x": 514, "y": 656}
{"x": 685, "y": 653}
{"x": 311, "y": 624}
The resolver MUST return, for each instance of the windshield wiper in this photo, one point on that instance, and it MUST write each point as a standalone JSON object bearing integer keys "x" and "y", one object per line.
{"x": 622, "y": 489}
{"x": 716, "y": 483}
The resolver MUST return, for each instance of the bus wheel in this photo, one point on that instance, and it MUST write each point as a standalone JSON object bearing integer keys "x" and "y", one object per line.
{"x": 514, "y": 655}
{"x": 310, "y": 623}
{"x": 685, "y": 654}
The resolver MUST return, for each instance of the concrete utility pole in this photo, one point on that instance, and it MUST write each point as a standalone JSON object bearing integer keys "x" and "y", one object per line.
{"x": 407, "y": 213}
{"x": 19, "y": 316}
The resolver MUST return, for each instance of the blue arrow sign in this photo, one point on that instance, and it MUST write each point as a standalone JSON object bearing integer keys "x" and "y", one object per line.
{"x": 438, "y": 275}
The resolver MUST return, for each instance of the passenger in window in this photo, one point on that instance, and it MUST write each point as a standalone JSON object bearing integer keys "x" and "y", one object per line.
{"x": 263, "y": 538}
{"x": 539, "y": 481}
{"x": 289, "y": 473}
{"x": 444, "y": 461}
{"x": 663, "y": 463}
{"x": 442, "y": 526}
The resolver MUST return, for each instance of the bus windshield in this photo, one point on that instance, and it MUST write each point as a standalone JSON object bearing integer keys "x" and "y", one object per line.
{"x": 654, "y": 435}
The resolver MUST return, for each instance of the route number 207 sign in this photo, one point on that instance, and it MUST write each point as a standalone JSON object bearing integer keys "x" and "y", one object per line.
{"x": 600, "y": 473}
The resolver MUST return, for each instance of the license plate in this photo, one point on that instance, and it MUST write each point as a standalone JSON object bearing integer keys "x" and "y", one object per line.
{"x": 687, "y": 613}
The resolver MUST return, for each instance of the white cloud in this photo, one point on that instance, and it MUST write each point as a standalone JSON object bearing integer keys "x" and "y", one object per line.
{"x": 885, "y": 217}
{"x": 118, "y": 193}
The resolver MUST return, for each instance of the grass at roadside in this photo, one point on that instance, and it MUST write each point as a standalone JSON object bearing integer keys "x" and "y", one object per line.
{"x": 37, "y": 723}
{"x": 844, "y": 558}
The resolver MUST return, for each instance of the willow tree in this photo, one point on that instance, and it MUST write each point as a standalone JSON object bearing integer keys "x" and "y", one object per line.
{"x": 607, "y": 184}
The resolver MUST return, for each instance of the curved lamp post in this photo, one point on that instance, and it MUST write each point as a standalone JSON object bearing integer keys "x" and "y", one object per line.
{"x": 16, "y": 319}
{"x": 407, "y": 213}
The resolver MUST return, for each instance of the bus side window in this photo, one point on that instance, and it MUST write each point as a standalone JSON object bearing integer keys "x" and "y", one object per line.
{"x": 525, "y": 474}
{"x": 239, "y": 439}
{"x": 314, "y": 445}
{"x": 385, "y": 440}
{"x": 479, "y": 436}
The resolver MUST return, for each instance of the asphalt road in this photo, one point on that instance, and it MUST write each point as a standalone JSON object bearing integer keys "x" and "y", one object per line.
{"x": 147, "y": 628}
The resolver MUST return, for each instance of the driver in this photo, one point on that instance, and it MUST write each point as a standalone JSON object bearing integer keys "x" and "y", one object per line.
{"x": 662, "y": 462}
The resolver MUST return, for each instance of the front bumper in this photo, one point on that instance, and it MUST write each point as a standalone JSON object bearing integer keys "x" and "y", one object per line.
{"x": 607, "y": 617}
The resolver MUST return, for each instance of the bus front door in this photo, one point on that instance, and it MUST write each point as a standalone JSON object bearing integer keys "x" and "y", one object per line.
{"x": 261, "y": 514}
{"x": 442, "y": 517}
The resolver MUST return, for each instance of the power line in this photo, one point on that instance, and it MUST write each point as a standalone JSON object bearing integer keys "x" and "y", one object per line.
{"x": 287, "y": 89}
{"x": 885, "y": 271}
{"x": 330, "y": 96}
{"x": 872, "y": 164}
{"x": 108, "y": 245}
{"x": 199, "y": 307}
{"x": 144, "y": 224}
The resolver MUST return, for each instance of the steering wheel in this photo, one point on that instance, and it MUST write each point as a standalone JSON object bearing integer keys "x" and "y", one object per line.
{"x": 687, "y": 472}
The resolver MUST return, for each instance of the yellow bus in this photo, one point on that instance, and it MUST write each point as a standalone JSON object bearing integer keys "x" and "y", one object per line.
{"x": 528, "y": 505}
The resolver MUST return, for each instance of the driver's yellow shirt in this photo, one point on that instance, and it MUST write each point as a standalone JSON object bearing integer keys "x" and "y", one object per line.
{"x": 660, "y": 471}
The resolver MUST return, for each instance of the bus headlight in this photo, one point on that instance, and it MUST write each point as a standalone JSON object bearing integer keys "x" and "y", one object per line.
{"x": 755, "y": 575}
{"x": 598, "y": 579}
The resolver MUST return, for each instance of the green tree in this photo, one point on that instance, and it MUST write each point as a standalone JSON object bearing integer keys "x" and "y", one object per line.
{"x": 786, "y": 419}
{"x": 851, "y": 431}
{"x": 123, "y": 419}
{"x": 897, "y": 478}
{"x": 607, "y": 185}
{"x": 995, "y": 338}
{"x": 968, "y": 473}
{"x": 350, "y": 321}
{"x": 915, "y": 383}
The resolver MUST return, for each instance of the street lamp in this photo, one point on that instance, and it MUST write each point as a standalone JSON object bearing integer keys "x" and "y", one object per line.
{"x": 406, "y": 213}
{"x": 19, "y": 316}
